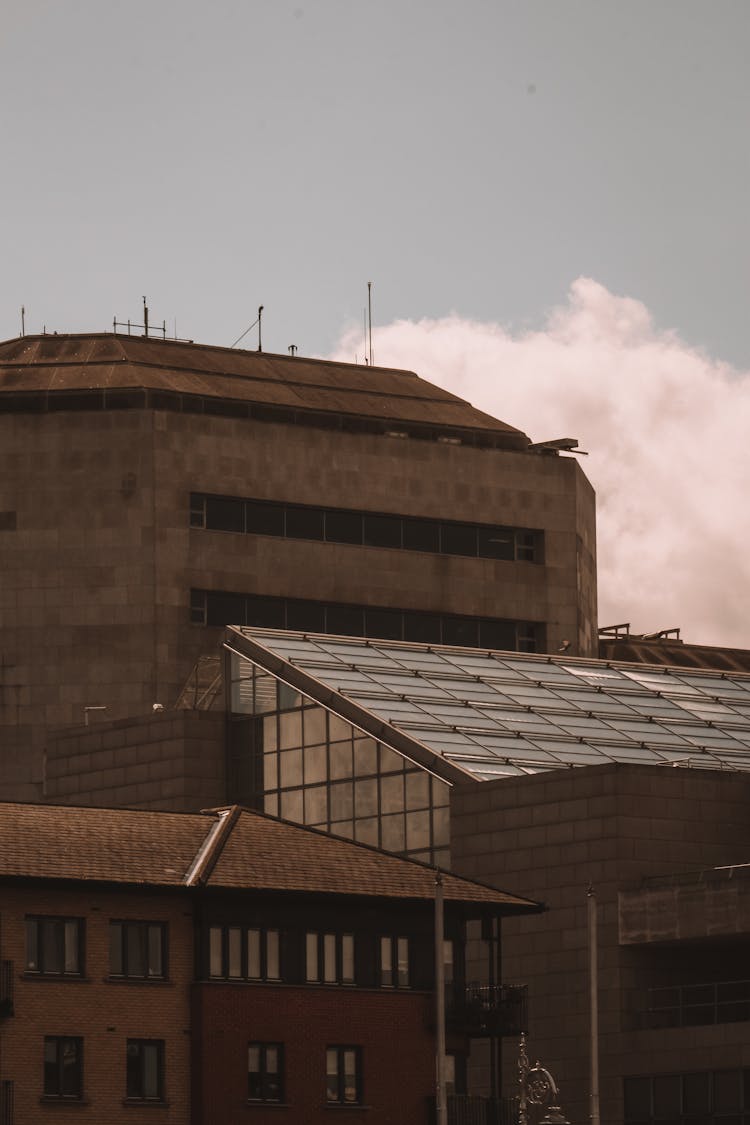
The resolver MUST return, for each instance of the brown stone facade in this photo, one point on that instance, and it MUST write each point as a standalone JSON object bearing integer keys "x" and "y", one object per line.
{"x": 172, "y": 760}
{"x": 99, "y": 559}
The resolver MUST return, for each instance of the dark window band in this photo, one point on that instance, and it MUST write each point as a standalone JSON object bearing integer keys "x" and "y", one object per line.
{"x": 215, "y": 607}
{"x": 367, "y": 529}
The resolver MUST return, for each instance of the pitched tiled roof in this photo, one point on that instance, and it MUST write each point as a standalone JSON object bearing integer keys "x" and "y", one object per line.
{"x": 94, "y": 362}
{"x": 117, "y": 845}
{"x": 234, "y": 848}
{"x": 286, "y": 856}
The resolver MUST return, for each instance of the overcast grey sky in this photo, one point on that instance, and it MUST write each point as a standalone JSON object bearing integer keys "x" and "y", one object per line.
{"x": 550, "y": 197}
{"x": 474, "y": 157}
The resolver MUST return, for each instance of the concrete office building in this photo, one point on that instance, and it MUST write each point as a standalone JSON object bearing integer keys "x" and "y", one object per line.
{"x": 152, "y": 491}
{"x": 542, "y": 774}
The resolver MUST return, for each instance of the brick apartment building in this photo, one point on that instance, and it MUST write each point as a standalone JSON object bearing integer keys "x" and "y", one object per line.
{"x": 195, "y": 968}
{"x": 152, "y": 491}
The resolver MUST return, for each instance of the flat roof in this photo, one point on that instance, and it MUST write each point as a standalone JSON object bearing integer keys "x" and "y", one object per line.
{"x": 464, "y": 712}
{"x": 109, "y": 362}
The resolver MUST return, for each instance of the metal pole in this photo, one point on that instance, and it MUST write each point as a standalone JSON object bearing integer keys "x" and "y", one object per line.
{"x": 369, "y": 314}
{"x": 260, "y": 314}
{"x": 594, "y": 1005}
{"x": 442, "y": 1106}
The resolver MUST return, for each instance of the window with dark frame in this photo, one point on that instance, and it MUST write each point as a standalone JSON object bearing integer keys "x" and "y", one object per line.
{"x": 243, "y": 953}
{"x": 344, "y": 1075}
{"x": 265, "y": 1072}
{"x": 329, "y": 958}
{"x": 718, "y": 1097}
{"x": 63, "y": 1067}
{"x": 54, "y": 946}
{"x": 144, "y": 1070}
{"x": 371, "y": 529}
{"x": 394, "y": 962}
{"x": 138, "y": 950}
{"x": 216, "y": 607}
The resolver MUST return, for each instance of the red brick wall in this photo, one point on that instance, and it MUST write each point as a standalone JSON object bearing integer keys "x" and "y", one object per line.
{"x": 104, "y": 1013}
{"x": 392, "y": 1028}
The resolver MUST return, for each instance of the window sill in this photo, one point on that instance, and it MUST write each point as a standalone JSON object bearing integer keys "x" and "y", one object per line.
{"x": 56, "y": 978}
{"x": 338, "y": 1106}
{"x": 145, "y": 1103}
{"x": 51, "y": 1100}
{"x": 254, "y": 1103}
{"x": 138, "y": 980}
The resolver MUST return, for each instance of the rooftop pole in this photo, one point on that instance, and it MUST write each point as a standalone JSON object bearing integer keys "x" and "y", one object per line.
{"x": 442, "y": 1106}
{"x": 369, "y": 315}
{"x": 593, "y": 1005}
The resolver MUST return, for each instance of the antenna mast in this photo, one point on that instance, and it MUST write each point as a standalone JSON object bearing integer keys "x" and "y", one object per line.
{"x": 23, "y": 321}
{"x": 260, "y": 314}
{"x": 369, "y": 315}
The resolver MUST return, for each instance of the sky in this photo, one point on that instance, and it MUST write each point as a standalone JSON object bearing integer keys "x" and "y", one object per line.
{"x": 549, "y": 197}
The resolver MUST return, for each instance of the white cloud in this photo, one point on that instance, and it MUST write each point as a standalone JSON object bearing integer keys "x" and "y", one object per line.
{"x": 667, "y": 428}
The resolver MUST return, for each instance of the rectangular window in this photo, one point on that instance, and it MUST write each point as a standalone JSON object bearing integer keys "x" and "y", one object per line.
{"x": 344, "y": 1075}
{"x": 421, "y": 535}
{"x": 265, "y": 1072}
{"x": 329, "y": 958}
{"x": 241, "y": 953}
{"x": 703, "y": 1097}
{"x": 224, "y": 514}
{"x": 342, "y": 525}
{"x": 382, "y": 531}
{"x": 496, "y": 543}
{"x": 54, "y": 946}
{"x": 264, "y": 519}
{"x": 304, "y": 523}
{"x": 138, "y": 950}
{"x": 197, "y": 510}
{"x": 63, "y": 1067}
{"x": 394, "y": 962}
{"x": 144, "y": 1070}
{"x": 459, "y": 539}
{"x": 254, "y": 610}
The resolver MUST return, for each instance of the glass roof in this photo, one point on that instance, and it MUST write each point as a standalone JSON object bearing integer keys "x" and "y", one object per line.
{"x": 497, "y": 713}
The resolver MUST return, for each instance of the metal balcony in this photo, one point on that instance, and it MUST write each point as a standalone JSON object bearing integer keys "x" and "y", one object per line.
{"x": 481, "y": 1010}
{"x": 6, "y": 991}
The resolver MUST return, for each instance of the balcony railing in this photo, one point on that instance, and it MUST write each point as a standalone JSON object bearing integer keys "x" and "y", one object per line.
{"x": 467, "y": 1109}
{"x": 487, "y": 1009}
{"x": 694, "y": 1005}
{"x": 6, "y": 991}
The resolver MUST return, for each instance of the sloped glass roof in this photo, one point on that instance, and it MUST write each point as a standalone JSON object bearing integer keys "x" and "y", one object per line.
{"x": 500, "y": 713}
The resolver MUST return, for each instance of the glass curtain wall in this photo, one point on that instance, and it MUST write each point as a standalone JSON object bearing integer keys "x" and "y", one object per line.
{"x": 319, "y": 770}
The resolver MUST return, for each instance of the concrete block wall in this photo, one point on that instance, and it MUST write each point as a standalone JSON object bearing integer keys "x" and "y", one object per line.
{"x": 550, "y": 836}
{"x": 172, "y": 760}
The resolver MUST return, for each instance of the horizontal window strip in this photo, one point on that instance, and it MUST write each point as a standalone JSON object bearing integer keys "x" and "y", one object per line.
{"x": 365, "y": 529}
{"x": 213, "y": 607}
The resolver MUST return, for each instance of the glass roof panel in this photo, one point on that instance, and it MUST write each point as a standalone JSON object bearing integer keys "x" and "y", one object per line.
{"x": 554, "y": 705}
